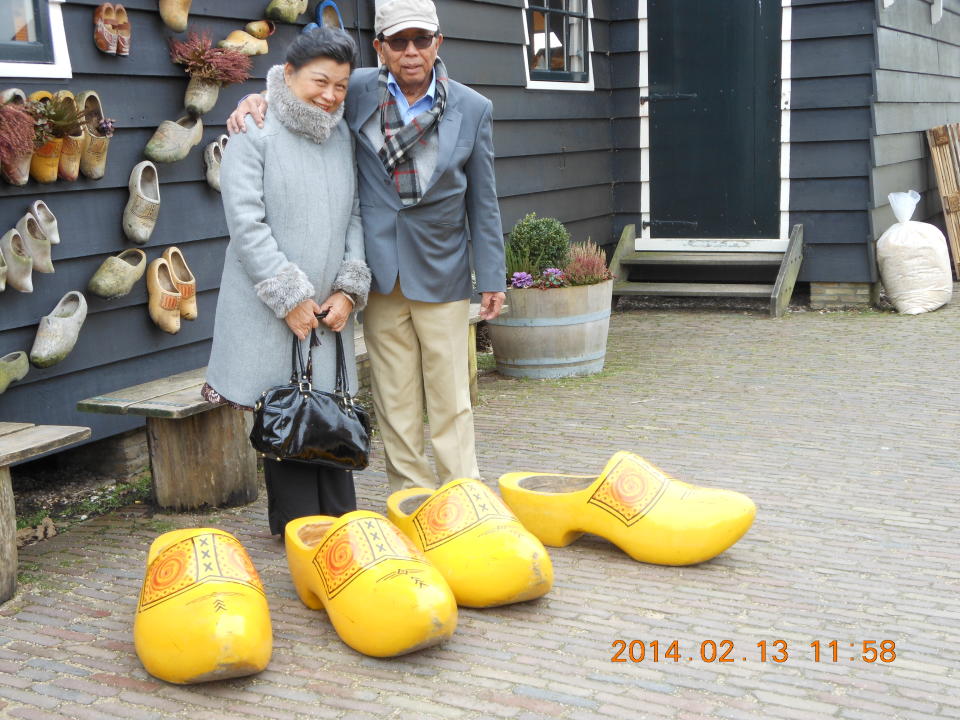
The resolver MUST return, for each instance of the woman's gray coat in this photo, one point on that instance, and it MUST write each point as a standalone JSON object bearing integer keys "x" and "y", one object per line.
{"x": 295, "y": 233}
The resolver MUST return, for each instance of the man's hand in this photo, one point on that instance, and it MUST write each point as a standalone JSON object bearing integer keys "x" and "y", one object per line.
{"x": 490, "y": 304}
{"x": 253, "y": 105}
{"x": 303, "y": 318}
{"x": 339, "y": 308}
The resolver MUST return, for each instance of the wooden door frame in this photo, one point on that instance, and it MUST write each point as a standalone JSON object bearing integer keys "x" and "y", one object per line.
{"x": 779, "y": 244}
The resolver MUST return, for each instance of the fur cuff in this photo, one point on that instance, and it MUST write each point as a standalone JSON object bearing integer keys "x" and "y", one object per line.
{"x": 284, "y": 291}
{"x": 354, "y": 278}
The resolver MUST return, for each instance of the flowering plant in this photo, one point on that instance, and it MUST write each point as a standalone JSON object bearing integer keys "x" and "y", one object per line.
{"x": 539, "y": 254}
{"x": 107, "y": 126}
{"x": 588, "y": 264}
{"x": 203, "y": 61}
{"x": 16, "y": 132}
{"x": 521, "y": 280}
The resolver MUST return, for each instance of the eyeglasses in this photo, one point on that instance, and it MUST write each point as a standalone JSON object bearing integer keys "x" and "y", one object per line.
{"x": 420, "y": 42}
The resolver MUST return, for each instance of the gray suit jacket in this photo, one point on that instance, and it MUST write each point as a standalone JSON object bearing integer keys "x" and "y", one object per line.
{"x": 428, "y": 245}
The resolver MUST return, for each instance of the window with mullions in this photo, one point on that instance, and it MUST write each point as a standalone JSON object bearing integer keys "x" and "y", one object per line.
{"x": 559, "y": 43}
{"x": 25, "y": 31}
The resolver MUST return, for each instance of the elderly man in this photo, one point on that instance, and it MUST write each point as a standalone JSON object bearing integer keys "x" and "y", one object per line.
{"x": 428, "y": 201}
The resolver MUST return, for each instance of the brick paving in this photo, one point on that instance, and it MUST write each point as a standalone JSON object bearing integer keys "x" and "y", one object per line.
{"x": 843, "y": 427}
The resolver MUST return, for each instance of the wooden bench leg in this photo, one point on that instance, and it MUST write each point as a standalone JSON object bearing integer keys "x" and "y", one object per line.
{"x": 8, "y": 538}
{"x": 204, "y": 460}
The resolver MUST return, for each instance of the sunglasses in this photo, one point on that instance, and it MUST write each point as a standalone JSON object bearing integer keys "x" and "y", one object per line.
{"x": 421, "y": 42}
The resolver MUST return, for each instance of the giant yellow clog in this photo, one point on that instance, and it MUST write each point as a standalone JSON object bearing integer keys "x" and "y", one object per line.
{"x": 382, "y": 595}
{"x": 203, "y": 614}
{"x": 471, "y": 537}
{"x": 649, "y": 515}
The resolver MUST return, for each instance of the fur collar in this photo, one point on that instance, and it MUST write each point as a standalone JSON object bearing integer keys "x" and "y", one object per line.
{"x": 297, "y": 116}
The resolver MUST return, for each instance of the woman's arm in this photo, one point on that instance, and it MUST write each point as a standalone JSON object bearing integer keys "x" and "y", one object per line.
{"x": 353, "y": 277}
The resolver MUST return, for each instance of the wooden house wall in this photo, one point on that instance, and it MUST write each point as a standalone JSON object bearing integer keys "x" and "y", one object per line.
{"x": 832, "y": 59}
{"x": 627, "y": 123}
{"x": 554, "y": 157}
{"x": 119, "y": 345}
{"x": 917, "y": 81}
{"x": 554, "y": 154}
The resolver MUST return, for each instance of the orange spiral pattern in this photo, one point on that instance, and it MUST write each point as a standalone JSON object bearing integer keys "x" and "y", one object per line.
{"x": 177, "y": 568}
{"x": 357, "y": 546}
{"x": 340, "y": 555}
{"x": 629, "y": 486}
{"x": 445, "y": 515}
{"x": 630, "y": 490}
{"x": 455, "y": 510}
{"x": 167, "y": 572}
{"x": 235, "y": 562}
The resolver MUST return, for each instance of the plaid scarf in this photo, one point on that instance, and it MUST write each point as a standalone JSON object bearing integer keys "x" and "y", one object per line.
{"x": 400, "y": 140}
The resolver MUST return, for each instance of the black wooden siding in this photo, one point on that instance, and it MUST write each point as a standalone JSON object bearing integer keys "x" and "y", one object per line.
{"x": 625, "y": 109}
{"x": 554, "y": 157}
{"x": 119, "y": 345}
{"x": 830, "y": 129}
{"x": 917, "y": 87}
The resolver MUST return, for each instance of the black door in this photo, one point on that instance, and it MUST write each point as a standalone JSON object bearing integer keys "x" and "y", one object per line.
{"x": 714, "y": 74}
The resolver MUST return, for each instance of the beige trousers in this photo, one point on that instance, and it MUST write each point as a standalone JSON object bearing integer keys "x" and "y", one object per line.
{"x": 418, "y": 350}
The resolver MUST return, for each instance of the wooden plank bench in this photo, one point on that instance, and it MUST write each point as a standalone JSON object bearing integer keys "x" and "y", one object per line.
{"x": 199, "y": 451}
{"x": 19, "y": 442}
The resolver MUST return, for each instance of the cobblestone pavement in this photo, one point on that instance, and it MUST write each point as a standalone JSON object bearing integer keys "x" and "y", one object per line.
{"x": 843, "y": 427}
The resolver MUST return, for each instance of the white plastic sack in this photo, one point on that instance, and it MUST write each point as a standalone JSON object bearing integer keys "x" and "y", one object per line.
{"x": 913, "y": 259}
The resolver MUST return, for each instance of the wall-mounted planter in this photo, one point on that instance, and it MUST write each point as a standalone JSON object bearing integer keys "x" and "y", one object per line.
{"x": 201, "y": 95}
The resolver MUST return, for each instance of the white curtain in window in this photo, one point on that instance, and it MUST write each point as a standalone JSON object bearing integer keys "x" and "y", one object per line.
{"x": 575, "y": 51}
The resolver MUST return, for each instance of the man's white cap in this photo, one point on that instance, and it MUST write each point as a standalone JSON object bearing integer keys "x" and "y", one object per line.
{"x": 394, "y": 16}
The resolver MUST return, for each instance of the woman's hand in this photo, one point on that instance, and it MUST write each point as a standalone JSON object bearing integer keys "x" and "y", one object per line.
{"x": 339, "y": 307}
{"x": 303, "y": 318}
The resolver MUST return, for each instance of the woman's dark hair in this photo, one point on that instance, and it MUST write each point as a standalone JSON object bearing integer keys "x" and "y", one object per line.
{"x": 326, "y": 42}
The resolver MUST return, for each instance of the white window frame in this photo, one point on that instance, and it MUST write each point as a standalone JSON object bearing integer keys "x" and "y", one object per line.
{"x": 60, "y": 67}
{"x": 587, "y": 86}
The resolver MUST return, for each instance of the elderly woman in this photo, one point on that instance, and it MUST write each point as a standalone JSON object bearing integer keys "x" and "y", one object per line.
{"x": 296, "y": 250}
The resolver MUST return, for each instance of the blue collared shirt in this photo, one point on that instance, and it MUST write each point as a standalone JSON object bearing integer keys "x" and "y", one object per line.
{"x": 407, "y": 111}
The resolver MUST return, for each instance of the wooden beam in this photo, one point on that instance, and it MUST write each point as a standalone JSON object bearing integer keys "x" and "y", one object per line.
{"x": 789, "y": 270}
{"x": 624, "y": 247}
{"x": 8, "y": 538}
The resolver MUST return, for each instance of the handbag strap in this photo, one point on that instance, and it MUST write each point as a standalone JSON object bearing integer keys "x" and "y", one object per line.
{"x": 301, "y": 374}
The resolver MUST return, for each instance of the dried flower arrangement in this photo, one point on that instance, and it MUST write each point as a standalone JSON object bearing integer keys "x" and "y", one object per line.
{"x": 16, "y": 132}
{"x": 203, "y": 61}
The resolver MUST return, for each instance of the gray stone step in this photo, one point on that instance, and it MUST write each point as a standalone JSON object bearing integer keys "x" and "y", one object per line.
{"x": 680, "y": 289}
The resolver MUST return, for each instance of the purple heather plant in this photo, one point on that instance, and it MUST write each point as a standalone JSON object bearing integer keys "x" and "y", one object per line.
{"x": 588, "y": 264}
{"x": 16, "y": 132}
{"x": 203, "y": 61}
{"x": 521, "y": 280}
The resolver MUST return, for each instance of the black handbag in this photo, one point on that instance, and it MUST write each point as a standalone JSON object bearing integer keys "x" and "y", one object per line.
{"x": 296, "y": 422}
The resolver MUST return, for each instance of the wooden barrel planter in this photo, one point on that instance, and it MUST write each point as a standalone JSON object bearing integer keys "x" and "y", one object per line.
{"x": 560, "y": 332}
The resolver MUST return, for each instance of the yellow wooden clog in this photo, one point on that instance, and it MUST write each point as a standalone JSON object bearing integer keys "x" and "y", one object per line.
{"x": 203, "y": 614}
{"x": 470, "y": 536}
{"x": 649, "y": 515}
{"x": 382, "y": 595}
